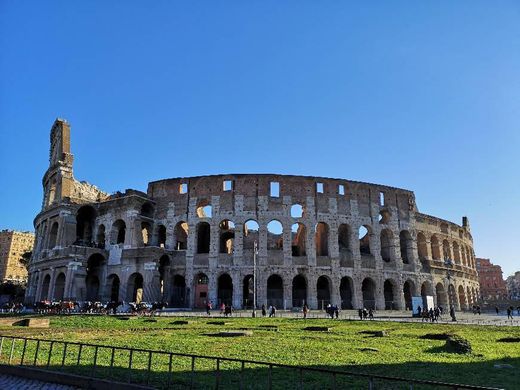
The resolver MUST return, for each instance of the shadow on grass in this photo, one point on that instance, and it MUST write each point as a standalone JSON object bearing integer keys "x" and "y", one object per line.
{"x": 231, "y": 375}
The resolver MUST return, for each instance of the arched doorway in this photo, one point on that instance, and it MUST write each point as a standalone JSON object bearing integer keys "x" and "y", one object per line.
{"x": 390, "y": 295}
{"x": 135, "y": 288}
{"x": 408, "y": 292}
{"x": 299, "y": 291}
{"x": 248, "y": 292}
{"x": 178, "y": 298}
{"x": 275, "y": 291}
{"x": 346, "y": 293}
{"x": 164, "y": 271}
{"x": 440, "y": 291}
{"x": 45, "y": 288}
{"x": 323, "y": 292}
{"x": 114, "y": 283}
{"x": 95, "y": 266}
{"x": 368, "y": 289}
{"x": 426, "y": 290}
{"x": 225, "y": 290}
{"x": 59, "y": 287}
{"x": 85, "y": 225}
{"x": 201, "y": 290}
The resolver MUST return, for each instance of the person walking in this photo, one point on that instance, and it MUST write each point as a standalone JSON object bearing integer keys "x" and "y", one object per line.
{"x": 305, "y": 311}
{"x": 360, "y": 314}
{"x": 264, "y": 313}
{"x": 509, "y": 313}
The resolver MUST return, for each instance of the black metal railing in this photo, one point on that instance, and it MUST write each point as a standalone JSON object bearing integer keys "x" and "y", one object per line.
{"x": 167, "y": 370}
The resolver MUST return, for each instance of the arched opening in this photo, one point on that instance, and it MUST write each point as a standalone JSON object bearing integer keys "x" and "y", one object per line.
{"x": 408, "y": 292}
{"x": 164, "y": 270}
{"x": 463, "y": 255}
{"x": 95, "y": 265}
{"x": 203, "y": 237}
{"x": 462, "y": 298}
{"x": 52, "y": 193}
{"x": 181, "y": 236}
{"x": 299, "y": 291}
{"x": 436, "y": 250}
{"x": 296, "y": 211}
{"x": 384, "y": 217}
{"x": 274, "y": 235}
{"x": 59, "y": 287}
{"x": 227, "y": 236}
{"x": 146, "y": 233}
{"x": 387, "y": 247}
{"x": 298, "y": 238}
{"x": 250, "y": 234}
{"x": 225, "y": 290}
{"x": 368, "y": 289}
{"x": 161, "y": 236}
{"x": 147, "y": 210}
{"x": 446, "y": 251}
{"x": 390, "y": 295}
{"x": 275, "y": 291}
{"x": 135, "y": 288}
{"x": 323, "y": 292}
{"x": 422, "y": 248}
{"x": 53, "y": 236}
{"x": 179, "y": 295}
{"x": 346, "y": 292}
{"x": 201, "y": 290}
{"x": 114, "y": 283}
{"x": 118, "y": 232}
{"x": 85, "y": 219}
{"x": 406, "y": 246}
{"x": 45, "y": 287}
{"x": 321, "y": 239}
{"x": 100, "y": 238}
{"x": 204, "y": 209}
{"x": 456, "y": 253}
{"x": 440, "y": 292}
{"x": 426, "y": 290}
{"x": 364, "y": 241}
{"x": 248, "y": 292}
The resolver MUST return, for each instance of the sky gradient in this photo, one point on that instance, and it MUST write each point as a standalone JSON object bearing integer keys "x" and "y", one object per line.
{"x": 420, "y": 96}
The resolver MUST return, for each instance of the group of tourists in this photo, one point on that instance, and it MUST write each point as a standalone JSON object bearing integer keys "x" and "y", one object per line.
{"x": 429, "y": 315}
{"x": 364, "y": 314}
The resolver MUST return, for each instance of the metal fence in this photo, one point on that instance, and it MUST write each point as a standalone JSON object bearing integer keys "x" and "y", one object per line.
{"x": 165, "y": 370}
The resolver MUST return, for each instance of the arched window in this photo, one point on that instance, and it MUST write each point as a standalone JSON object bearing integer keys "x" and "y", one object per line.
{"x": 53, "y": 236}
{"x": 322, "y": 239}
{"x": 204, "y": 209}
{"x": 181, "y": 235}
{"x": 274, "y": 235}
{"x": 250, "y": 236}
{"x": 85, "y": 219}
{"x": 436, "y": 250}
{"x": 203, "y": 237}
{"x": 298, "y": 239}
{"x": 406, "y": 246}
{"x": 364, "y": 241}
{"x": 422, "y": 248}
{"x": 161, "y": 235}
{"x": 387, "y": 248}
{"x": 297, "y": 211}
{"x": 146, "y": 230}
{"x": 227, "y": 236}
{"x": 118, "y": 232}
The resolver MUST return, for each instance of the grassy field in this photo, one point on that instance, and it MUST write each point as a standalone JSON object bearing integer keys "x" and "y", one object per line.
{"x": 401, "y": 353}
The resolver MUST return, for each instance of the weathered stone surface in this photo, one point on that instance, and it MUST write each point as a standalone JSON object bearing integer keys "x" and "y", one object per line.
{"x": 458, "y": 344}
{"x": 184, "y": 237}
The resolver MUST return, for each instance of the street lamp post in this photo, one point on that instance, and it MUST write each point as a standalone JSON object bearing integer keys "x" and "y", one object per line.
{"x": 448, "y": 263}
{"x": 255, "y": 251}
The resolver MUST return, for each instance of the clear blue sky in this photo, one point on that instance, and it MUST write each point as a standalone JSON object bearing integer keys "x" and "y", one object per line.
{"x": 419, "y": 95}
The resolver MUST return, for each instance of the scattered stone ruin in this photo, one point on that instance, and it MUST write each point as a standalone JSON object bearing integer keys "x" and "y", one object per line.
{"x": 191, "y": 240}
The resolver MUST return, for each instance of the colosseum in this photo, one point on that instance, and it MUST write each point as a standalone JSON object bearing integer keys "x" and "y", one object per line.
{"x": 190, "y": 240}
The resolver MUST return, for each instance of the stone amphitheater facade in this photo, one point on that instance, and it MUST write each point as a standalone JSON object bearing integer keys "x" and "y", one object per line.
{"x": 190, "y": 240}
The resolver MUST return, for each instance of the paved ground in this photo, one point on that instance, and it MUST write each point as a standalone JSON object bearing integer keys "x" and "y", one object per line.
{"x": 8, "y": 382}
{"x": 382, "y": 315}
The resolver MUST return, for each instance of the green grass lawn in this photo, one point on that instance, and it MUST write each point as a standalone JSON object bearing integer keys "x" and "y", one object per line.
{"x": 402, "y": 353}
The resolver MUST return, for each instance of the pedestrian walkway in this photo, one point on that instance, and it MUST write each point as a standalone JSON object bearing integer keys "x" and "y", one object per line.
{"x": 8, "y": 382}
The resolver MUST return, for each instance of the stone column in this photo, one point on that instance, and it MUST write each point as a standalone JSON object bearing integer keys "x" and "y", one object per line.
{"x": 380, "y": 296}
{"x": 151, "y": 284}
{"x": 287, "y": 293}
{"x": 312, "y": 293}
{"x": 237, "y": 290}
{"x": 51, "y": 284}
